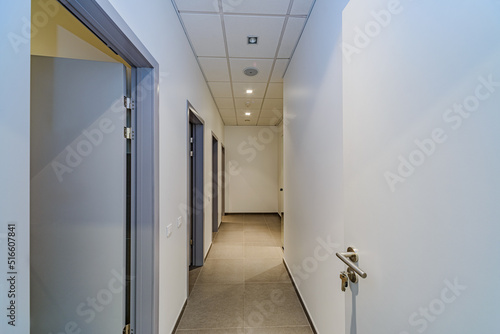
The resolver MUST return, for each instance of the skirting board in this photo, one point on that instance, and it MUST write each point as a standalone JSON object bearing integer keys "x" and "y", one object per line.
{"x": 304, "y": 306}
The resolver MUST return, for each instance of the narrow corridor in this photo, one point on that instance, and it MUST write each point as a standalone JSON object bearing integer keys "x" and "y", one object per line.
{"x": 244, "y": 286}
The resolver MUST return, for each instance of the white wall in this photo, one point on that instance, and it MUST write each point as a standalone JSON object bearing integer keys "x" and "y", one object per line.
{"x": 252, "y": 167}
{"x": 157, "y": 26}
{"x": 313, "y": 166}
{"x": 15, "y": 166}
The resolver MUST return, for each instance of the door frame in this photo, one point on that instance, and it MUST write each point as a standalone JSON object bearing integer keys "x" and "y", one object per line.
{"x": 223, "y": 179}
{"x": 196, "y": 209}
{"x": 104, "y": 21}
{"x": 215, "y": 183}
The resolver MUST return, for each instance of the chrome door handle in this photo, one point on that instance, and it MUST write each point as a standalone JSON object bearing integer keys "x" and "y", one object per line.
{"x": 350, "y": 258}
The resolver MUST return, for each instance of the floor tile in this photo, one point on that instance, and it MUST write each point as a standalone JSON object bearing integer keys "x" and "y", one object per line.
{"x": 256, "y": 227}
{"x": 230, "y": 236}
{"x": 234, "y": 218}
{"x": 257, "y": 236}
{"x": 226, "y": 250}
{"x": 244, "y": 288}
{"x": 212, "y": 331}
{"x": 273, "y": 304}
{"x": 279, "y": 330}
{"x": 265, "y": 271}
{"x": 231, "y": 227}
{"x": 222, "y": 271}
{"x": 259, "y": 250}
{"x": 214, "y": 306}
{"x": 193, "y": 277}
{"x": 255, "y": 217}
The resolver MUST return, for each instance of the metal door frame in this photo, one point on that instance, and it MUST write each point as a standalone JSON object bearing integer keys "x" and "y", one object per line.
{"x": 196, "y": 209}
{"x": 215, "y": 183}
{"x": 103, "y": 20}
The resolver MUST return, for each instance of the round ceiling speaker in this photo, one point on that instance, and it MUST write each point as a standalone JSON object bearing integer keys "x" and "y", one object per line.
{"x": 250, "y": 71}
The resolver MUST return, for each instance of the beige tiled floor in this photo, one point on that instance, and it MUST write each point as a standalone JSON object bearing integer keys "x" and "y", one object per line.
{"x": 244, "y": 288}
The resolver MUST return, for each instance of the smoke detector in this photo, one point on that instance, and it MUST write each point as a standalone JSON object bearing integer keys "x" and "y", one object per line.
{"x": 251, "y": 71}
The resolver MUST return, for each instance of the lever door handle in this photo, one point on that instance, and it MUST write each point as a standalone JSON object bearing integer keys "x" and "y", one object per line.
{"x": 350, "y": 258}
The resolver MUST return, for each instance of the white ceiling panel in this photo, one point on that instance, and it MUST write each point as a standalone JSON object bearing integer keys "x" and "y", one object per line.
{"x": 268, "y": 121}
{"x": 293, "y": 30}
{"x": 230, "y": 121}
{"x": 275, "y": 91}
{"x": 238, "y": 65}
{"x": 272, "y": 104}
{"x": 238, "y": 28}
{"x": 258, "y": 88}
{"x": 269, "y": 113}
{"x": 279, "y": 70}
{"x": 215, "y": 69}
{"x": 197, "y": 25}
{"x": 224, "y": 103}
{"x": 198, "y": 5}
{"x": 221, "y": 89}
{"x": 301, "y": 7}
{"x": 227, "y": 112}
{"x": 252, "y": 104}
{"x": 256, "y": 6}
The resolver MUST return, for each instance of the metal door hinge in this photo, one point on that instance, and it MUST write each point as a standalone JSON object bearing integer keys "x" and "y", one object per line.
{"x": 128, "y": 133}
{"x": 191, "y": 140}
{"x": 126, "y": 329}
{"x": 191, "y": 153}
{"x": 128, "y": 102}
{"x": 191, "y": 242}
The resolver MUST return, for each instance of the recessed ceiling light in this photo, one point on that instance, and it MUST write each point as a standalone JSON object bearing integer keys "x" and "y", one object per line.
{"x": 248, "y": 113}
{"x": 249, "y": 91}
{"x": 253, "y": 40}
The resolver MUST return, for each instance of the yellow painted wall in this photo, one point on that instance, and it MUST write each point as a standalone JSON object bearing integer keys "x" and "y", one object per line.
{"x": 57, "y": 33}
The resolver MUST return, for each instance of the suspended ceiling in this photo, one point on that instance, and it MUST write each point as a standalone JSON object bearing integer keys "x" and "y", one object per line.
{"x": 218, "y": 31}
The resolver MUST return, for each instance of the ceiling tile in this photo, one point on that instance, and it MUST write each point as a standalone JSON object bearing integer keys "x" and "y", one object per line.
{"x": 224, "y": 103}
{"x": 252, "y": 104}
{"x": 256, "y": 6}
{"x": 238, "y": 28}
{"x": 270, "y": 113}
{"x": 273, "y": 104}
{"x": 274, "y": 91}
{"x": 259, "y": 88}
{"x": 268, "y": 121}
{"x": 215, "y": 69}
{"x": 197, "y": 26}
{"x": 247, "y": 121}
{"x": 279, "y": 70}
{"x": 228, "y": 121}
{"x": 293, "y": 30}
{"x": 198, "y": 5}
{"x": 238, "y": 65}
{"x": 301, "y": 7}
{"x": 220, "y": 89}
{"x": 227, "y": 112}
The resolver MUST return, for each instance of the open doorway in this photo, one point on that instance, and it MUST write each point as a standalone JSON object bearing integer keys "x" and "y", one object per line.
{"x": 94, "y": 210}
{"x": 196, "y": 198}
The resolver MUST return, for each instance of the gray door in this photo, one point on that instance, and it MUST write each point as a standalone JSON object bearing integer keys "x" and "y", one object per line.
{"x": 78, "y": 174}
{"x": 215, "y": 185}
